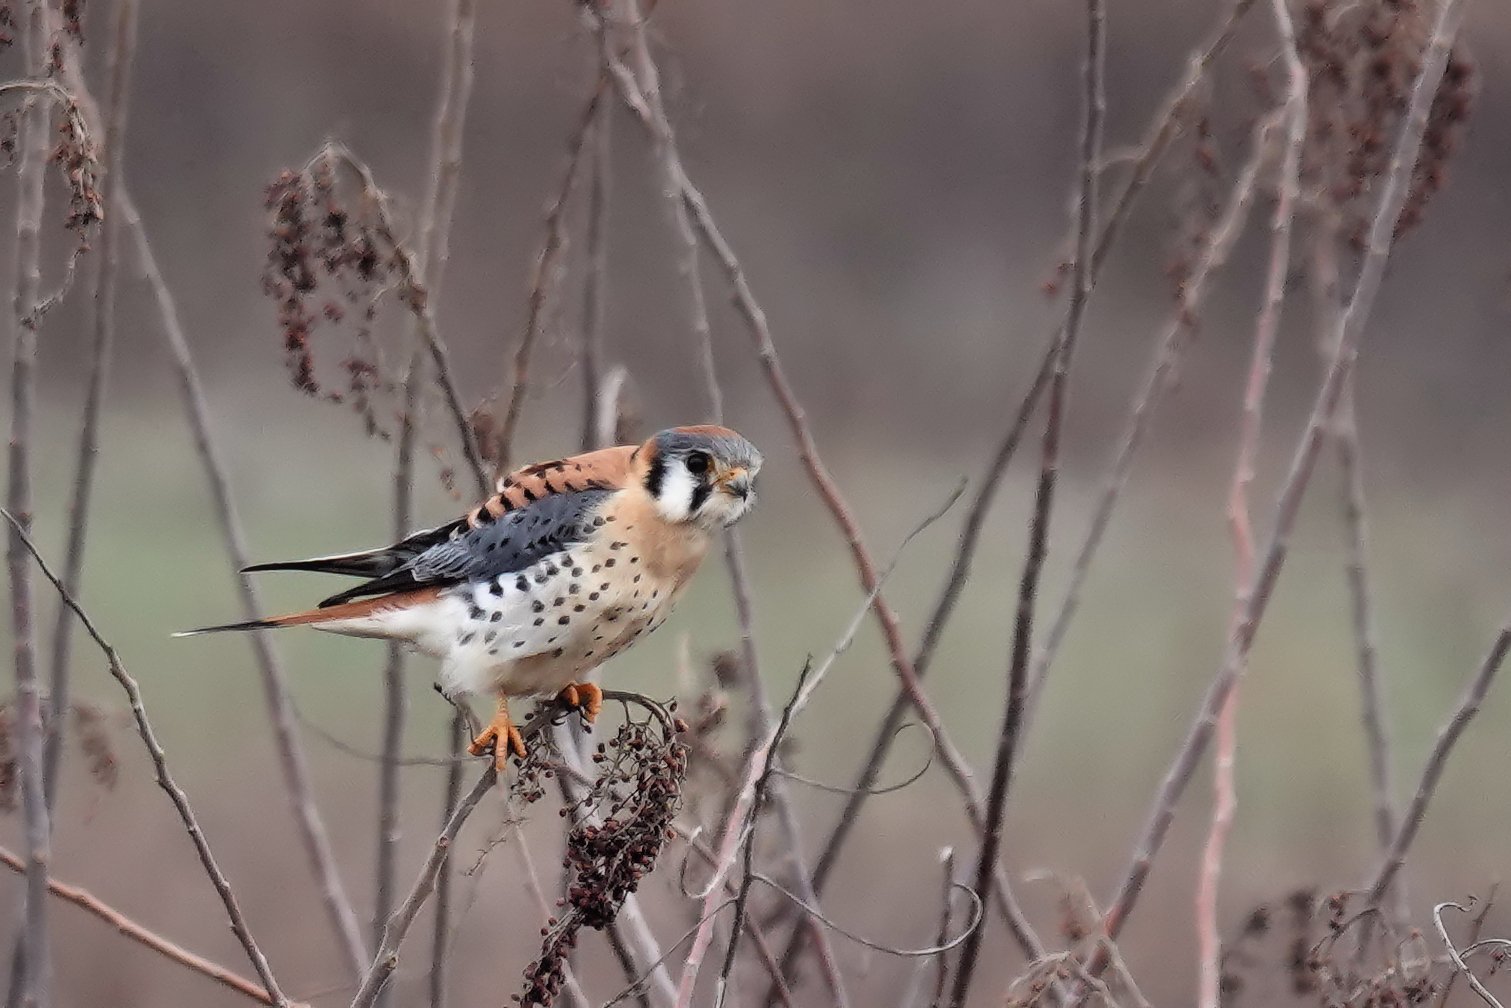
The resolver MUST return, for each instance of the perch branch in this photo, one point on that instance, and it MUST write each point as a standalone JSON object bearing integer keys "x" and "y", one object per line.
{"x": 1457, "y": 956}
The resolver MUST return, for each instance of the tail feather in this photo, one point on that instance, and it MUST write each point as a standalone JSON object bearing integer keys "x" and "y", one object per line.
{"x": 329, "y": 614}
{"x": 369, "y": 564}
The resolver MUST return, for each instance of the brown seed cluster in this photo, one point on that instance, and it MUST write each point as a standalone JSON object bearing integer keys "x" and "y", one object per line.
{"x": 619, "y": 830}
{"x": 1362, "y": 59}
{"x": 327, "y": 263}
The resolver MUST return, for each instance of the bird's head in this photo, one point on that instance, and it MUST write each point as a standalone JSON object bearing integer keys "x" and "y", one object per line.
{"x": 700, "y": 475}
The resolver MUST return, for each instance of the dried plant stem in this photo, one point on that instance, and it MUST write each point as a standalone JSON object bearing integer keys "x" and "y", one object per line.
{"x": 102, "y": 323}
{"x": 762, "y": 720}
{"x": 1458, "y": 957}
{"x": 1161, "y": 132}
{"x": 164, "y": 777}
{"x": 1169, "y": 350}
{"x": 387, "y": 958}
{"x": 758, "y": 800}
{"x": 417, "y": 299}
{"x": 575, "y": 996}
{"x": 440, "y": 943}
{"x": 1346, "y": 437}
{"x": 542, "y": 280}
{"x": 1240, "y": 509}
{"x": 338, "y": 907}
{"x": 1350, "y": 326}
{"x": 35, "y": 142}
{"x": 1094, "y": 99}
{"x": 595, "y": 277}
{"x": 435, "y": 229}
{"x": 736, "y": 823}
{"x": 86, "y": 901}
{"x": 1432, "y": 772}
{"x": 755, "y": 318}
{"x": 630, "y": 938}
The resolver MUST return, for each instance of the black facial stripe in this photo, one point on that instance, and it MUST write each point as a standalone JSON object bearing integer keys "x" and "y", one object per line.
{"x": 656, "y": 475}
{"x": 700, "y": 494}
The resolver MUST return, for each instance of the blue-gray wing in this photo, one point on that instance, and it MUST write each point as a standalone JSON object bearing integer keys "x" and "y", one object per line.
{"x": 510, "y": 543}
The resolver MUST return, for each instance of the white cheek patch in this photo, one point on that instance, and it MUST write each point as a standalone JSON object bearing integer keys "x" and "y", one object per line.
{"x": 676, "y": 496}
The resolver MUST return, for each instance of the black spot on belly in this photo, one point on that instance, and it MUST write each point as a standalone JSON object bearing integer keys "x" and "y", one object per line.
{"x": 592, "y": 596}
{"x": 496, "y": 588}
{"x": 474, "y": 612}
{"x": 537, "y": 606}
{"x": 637, "y": 579}
{"x": 498, "y": 614}
{"x": 573, "y": 588}
{"x": 539, "y": 620}
{"x": 634, "y": 560}
{"x": 521, "y": 583}
{"x": 609, "y": 562}
{"x": 556, "y": 653}
{"x": 519, "y": 643}
{"x": 540, "y": 579}
{"x": 465, "y": 639}
{"x": 604, "y": 586}
{"x": 577, "y": 572}
{"x": 597, "y": 568}
{"x": 563, "y": 620}
{"x": 579, "y": 607}
{"x": 559, "y": 600}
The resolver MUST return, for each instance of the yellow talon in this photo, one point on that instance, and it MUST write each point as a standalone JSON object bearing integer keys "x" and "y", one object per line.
{"x": 501, "y": 736}
{"x": 584, "y": 696}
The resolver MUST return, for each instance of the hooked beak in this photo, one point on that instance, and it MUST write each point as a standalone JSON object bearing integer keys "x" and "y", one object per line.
{"x": 736, "y": 482}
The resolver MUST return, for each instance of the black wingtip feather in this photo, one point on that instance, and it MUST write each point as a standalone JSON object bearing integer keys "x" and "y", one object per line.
{"x": 248, "y": 625}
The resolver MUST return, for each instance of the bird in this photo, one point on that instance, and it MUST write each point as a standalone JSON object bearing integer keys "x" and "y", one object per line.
{"x": 569, "y": 563}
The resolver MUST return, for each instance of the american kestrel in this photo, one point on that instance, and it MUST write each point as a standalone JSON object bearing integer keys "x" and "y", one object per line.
{"x": 568, "y": 564}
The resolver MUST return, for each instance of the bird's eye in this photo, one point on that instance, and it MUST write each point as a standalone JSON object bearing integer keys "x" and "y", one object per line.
{"x": 697, "y": 463}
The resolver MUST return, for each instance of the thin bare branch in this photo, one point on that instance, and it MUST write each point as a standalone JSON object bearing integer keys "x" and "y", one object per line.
{"x": 440, "y": 942}
{"x": 1432, "y": 772}
{"x": 1476, "y": 927}
{"x": 596, "y": 270}
{"x": 1169, "y": 349}
{"x": 164, "y": 777}
{"x": 35, "y": 977}
{"x": 737, "y": 822}
{"x": 1240, "y": 507}
{"x": 543, "y": 280}
{"x": 1094, "y": 105}
{"x": 755, "y": 318}
{"x": 757, "y": 802}
{"x": 143, "y": 935}
{"x": 102, "y": 323}
{"x": 291, "y": 756}
{"x": 1393, "y": 193}
{"x": 1457, "y": 956}
{"x": 416, "y": 297}
{"x": 1161, "y": 132}
{"x": 435, "y": 232}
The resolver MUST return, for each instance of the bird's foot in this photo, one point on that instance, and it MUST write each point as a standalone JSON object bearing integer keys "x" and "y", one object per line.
{"x": 502, "y": 736}
{"x": 583, "y": 696}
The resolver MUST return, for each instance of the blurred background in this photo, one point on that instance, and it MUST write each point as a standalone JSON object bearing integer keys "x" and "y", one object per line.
{"x": 897, "y": 180}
